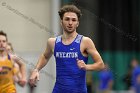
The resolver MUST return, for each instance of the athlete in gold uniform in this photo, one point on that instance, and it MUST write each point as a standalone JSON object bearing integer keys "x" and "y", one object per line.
{"x": 6, "y": 72}
{"x": 6, "y": 67}
{"x": 16, "y": 69}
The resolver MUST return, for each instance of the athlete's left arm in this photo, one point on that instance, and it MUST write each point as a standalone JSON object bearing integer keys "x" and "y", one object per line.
{"x": 22, "y": 69}
{"x": 89, "y": 47}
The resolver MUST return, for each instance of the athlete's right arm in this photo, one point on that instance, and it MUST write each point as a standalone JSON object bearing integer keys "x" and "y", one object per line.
{"x": 43, "y": 60}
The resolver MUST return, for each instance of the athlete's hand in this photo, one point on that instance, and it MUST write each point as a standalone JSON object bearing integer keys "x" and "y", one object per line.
{"x": 34, "y": 78}
{"x": 22, "y": 82}
{"x": 81, "y": 64}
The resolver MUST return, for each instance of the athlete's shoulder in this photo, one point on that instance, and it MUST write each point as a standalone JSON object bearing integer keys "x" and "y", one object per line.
{"x": 87, "y": 42}
{"x": 86, "y": 39}
{"x": 52, "y": 39}
{"x": 13, "y": 57}
{"x": 51, "y": 42}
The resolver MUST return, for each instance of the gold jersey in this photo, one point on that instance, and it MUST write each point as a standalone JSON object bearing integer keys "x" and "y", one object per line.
{"x": 6, "y": 76}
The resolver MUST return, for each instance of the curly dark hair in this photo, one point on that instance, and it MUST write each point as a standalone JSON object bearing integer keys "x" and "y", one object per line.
{"x": 69, "y": 8}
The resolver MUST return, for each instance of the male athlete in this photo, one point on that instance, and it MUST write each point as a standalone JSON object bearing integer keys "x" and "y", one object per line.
{"x": 71, "y": 52}
{"x": 6, "y": 67}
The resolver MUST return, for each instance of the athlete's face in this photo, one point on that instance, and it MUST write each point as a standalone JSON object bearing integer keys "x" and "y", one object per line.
{"x": 3, "y": 43}
{"x": 134, "y": 63}
{"x": 9, "y": 48}
{"x": 70, "y": 22}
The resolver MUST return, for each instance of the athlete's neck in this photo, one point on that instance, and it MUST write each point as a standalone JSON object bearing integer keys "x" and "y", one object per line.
{"x": 3, "y": 53}
{"x": 67, "y": 38}
{"x": 69, "y": 35}
{"x": 3, "y": 56}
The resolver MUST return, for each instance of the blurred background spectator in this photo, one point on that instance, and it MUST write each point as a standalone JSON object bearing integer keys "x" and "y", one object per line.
{"x": 105, "y": 80}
